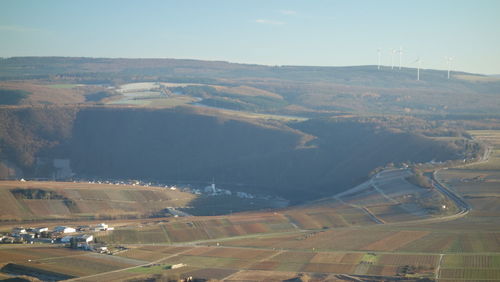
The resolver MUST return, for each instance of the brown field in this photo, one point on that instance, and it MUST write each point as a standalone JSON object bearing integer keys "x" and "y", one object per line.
{"x": 163, "y": 249}
{"x": 471, "y": 261}
{"x": 256, "y": 275}
{"x": 466, "y": 242}
{"x": 262, "y": 242}
{"x": 209, "y": 262}
{"x": 344, "y": 239}
{"x": 210, "y": 273}
{"x": 470, "y": 274}
{"x": 64, "y": 260}
{"x": 23, "y": 254}
{"x": 91, "y": 200}
{"x": 392, "y": 213}
{"x": 432, "y": 242}
{"x": 416, "y": 260}
{"x": 238, "y": 253}
{"x": 395, "y": 241}
{"x": 201, "y": 228}
{"x": 329, "y": 268}
{"x": 327, "y": 258}
{"x": 265, "y": 265}
{"x": 44, "y": 94}
{"x": 140, "y": 254}
{"x": 81, "y": 266}
{"x": 290, "y": 257}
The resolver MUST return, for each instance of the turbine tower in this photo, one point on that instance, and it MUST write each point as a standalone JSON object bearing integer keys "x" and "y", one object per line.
{"x": 400, "y": 56}
{"x": 449, "y": 59}
{"x": 379, "y": 53}
{"x": 392, "y": 58}
{"x": 418, "y": 61}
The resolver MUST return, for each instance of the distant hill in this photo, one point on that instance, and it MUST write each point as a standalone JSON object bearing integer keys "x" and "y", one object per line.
{"x": 358, "y": 89}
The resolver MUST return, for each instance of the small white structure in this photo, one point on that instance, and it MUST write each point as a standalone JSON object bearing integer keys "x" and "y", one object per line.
{"x": 64, "y": 229}
{"x": 18, "y": 230}
{"x": 41, "y": 229}
{"x": 179, "y": 265}
{"x": 102, "y": 227}
{"x": 85, "y": 238}
{"x": 211, "y": 189}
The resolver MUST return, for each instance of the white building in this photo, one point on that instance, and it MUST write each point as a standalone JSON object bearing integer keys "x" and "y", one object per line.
{"x": 64, "y": 229}
{"x": 211, "y": 189}
{"x": 102, "y": 227}
{"x": 19, "y": 230}
{"x": 85, "y": 238}
{"x": 41, "y": 229}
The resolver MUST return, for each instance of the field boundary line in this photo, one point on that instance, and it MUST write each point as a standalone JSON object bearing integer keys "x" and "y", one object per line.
{"x": 438, "y": 267}
{"x": 84, "y": 278}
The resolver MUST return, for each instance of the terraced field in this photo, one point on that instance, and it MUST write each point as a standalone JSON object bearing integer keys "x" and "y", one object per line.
{"x": 82, "y": 200}
{"x": 61, "y": 261}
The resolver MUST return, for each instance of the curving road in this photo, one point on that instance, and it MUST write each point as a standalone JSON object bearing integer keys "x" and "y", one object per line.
{"x": 464, "y": 207}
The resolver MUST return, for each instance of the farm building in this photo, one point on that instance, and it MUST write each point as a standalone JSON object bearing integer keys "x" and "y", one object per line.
{"x": 85, "y": 238}
{"x": 64, "y": 229}
{"x": 18, "y": 230}
{"x": 41, "y": 229}
{"x": 103, "y": 227}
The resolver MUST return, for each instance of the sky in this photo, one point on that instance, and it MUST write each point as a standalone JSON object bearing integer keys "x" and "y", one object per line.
{"x": 287, "y": 32}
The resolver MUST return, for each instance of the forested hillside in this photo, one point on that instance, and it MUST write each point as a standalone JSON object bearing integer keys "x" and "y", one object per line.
{"x": 297, "y": 160}
{"x": 300, "y": 89}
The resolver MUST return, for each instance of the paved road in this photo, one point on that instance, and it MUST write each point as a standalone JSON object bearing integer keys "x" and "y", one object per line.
{"x": 461, "y": 204}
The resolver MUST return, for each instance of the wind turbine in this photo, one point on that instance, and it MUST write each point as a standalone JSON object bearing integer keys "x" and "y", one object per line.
{"x": 392, "y": 58}
{"x": 418, "y": 61}
{"x": 400, "y": 56}
{"x": 449, "y": 59}
{"x": 379, "y": 53}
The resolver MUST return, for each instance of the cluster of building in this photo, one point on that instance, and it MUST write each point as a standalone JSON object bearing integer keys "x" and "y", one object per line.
{"x": 59, "y": 234}
{"x": 126, "y": 182}
{"x": 211, "y": 190}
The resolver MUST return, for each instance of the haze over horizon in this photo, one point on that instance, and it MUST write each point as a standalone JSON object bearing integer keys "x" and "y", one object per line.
{"x": 319, "y": 33}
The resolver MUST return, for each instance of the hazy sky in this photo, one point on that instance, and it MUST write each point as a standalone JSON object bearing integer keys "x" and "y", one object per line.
{"x": 326, "y": 33}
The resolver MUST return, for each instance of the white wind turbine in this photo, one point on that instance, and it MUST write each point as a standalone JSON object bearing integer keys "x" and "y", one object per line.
{"x": 418, "y": 61}
{"x": 379, "y": 53}
{"x": 400, "y": 56}
{"x": 392, "y": 58}
{"x": 449, "y": 59}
